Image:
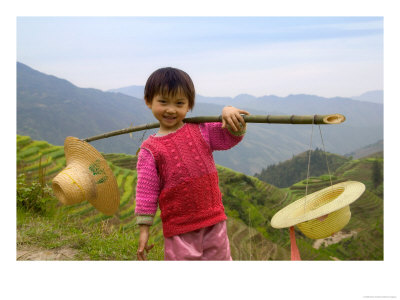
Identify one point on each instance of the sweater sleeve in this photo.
(147, 188)
(221, 138)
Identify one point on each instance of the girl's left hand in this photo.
(231, 116)
(143, 239)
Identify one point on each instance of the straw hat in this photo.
(87, 177)
(322, 213)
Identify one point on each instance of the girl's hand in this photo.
(231, 116)
(143, 239)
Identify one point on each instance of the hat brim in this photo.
(82, 153)
(318, 204)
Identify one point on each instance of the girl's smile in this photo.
(169, 111)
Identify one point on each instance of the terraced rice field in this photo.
(35, 155)
(248, 244)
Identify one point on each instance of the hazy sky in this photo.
(225, 56)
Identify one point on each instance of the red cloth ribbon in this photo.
(294, 251)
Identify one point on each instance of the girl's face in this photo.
(169, 111)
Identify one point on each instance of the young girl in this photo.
(176, 171)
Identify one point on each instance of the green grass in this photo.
(95, 241)
(83, 210)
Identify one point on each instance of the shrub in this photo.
(33, 196)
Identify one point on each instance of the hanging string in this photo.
(141, 140)
(294, 250)
(295, 254)
(309, 160)
(326, 157)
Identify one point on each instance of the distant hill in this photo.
(136, 91)
(358, 114)
(51, 108)
(371, 96)
(291, 171)
(367, 150)
(364, 122)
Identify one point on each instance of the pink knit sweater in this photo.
(150, 183)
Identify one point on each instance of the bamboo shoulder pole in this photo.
(286, 119)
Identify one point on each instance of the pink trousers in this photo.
(209, 243)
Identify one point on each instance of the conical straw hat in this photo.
(87, 177)
(321, 213)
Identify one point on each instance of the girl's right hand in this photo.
(143, 239)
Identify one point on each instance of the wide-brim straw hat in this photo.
(86, 177)
(322, 213)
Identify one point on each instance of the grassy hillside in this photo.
(250, 204)
(368, 150)
(293, 170)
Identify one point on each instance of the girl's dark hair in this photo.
(168, 82)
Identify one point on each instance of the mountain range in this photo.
(137, 91)
(51, 108)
